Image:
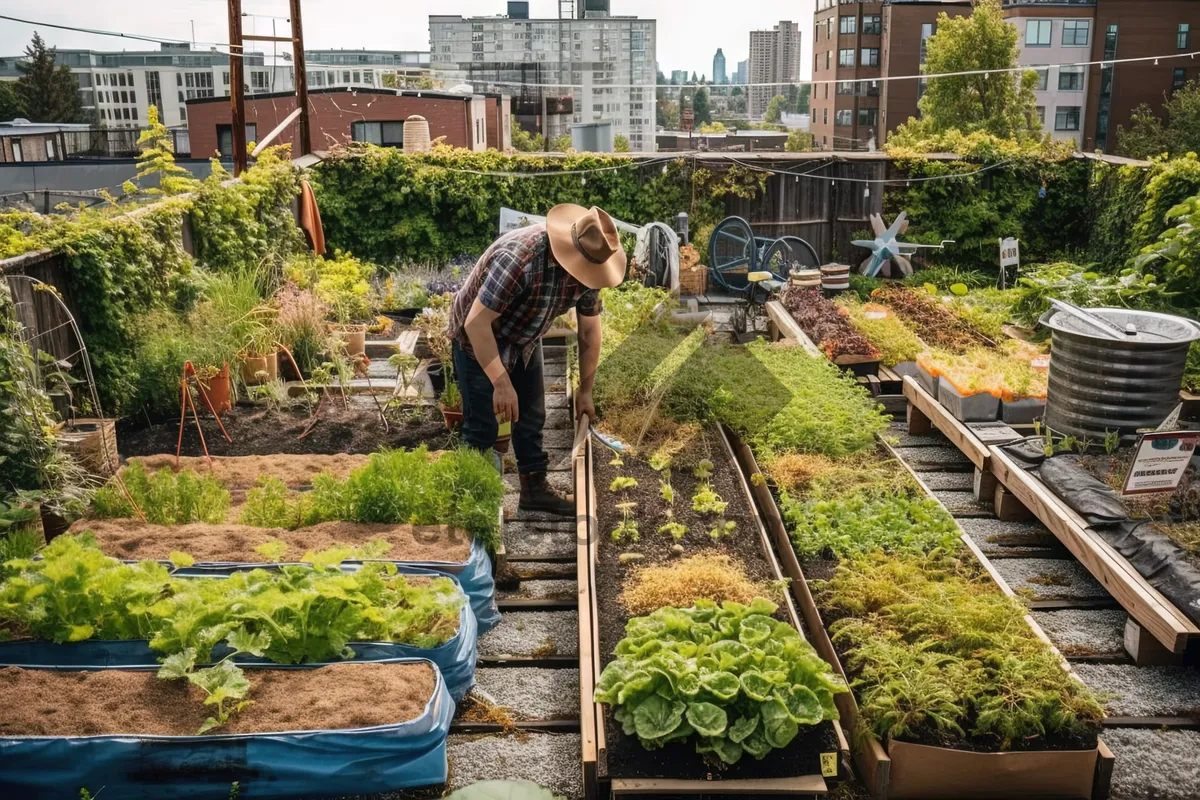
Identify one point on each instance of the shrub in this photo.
(729, 675)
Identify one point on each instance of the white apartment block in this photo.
(605, 64)
(775, 58)
(1062, 91)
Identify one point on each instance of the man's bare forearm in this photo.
(483, 342)
(589, 352)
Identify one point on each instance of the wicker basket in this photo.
(694, 281)
(93, 443)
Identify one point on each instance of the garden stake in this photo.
(365, 363)
(186, 401)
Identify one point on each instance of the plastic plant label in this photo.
(1040, 362)
(829, 765)
(875, 314)
(1159, 461)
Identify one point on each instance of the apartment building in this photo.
(718, 73)
(904, 54)
(775, 59)
(120, 86)
(594, 68)
(335, 69)
(847, 63)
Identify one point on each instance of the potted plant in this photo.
(260, 359)
(217, 386)
(450, 403)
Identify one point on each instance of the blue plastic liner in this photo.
(455, 659)
(319, 763)
(474, 576)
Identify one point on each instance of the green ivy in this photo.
(384, 205)
(1129, 205)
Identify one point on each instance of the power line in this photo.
(925, 179)
(117, 34)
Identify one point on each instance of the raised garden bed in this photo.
(830, 329)
(242, 472)
(937, 767)
(677, 767)
(323, 729)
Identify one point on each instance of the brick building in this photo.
(847, 49)
(337, 116)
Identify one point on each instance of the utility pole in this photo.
(237, 86)
(305, 143)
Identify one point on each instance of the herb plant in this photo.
(826, 324)
(707, 501)
(729, 676)
(864, 519)
(164, 496)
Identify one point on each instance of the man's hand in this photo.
(504, 398)
(585, 405)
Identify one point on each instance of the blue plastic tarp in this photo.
(455, 659)
(475, 577)
(316, 763)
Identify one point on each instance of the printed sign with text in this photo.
(1159, 461)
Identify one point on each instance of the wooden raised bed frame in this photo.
(592, 714)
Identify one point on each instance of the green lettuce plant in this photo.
(863, 519)
(730, 677)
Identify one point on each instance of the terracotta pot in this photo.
(253, 365)
(453, 417)
(218, 391)
(355, 337)
(502, 444)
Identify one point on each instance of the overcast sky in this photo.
(689, 31)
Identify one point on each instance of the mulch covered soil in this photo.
(243, 472)
(136, 541)
(257, 431)
(106, 702)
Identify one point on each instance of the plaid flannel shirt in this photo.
(518, 278)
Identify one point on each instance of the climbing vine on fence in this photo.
(385, 205)
(977, 210)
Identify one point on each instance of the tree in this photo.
(11, 106)
(999, 103)
(527, 142)
(48, 93)
(713, 127)
(1179, 133)
(667, 114)
(158, 158)
(737, 92)
(793, 99)
(775, 108)
(561, 144)
(701, 113)
(798, 141)
(620, 144)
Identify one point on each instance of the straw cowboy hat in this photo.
(585, 243)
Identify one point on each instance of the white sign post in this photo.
(1010, 256)
(1159, 461)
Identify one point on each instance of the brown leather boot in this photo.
(536, 495)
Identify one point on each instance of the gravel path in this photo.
(548, 759)
(532, 693)
(959, 502)
(542, 569)
(562, 482)
(934, 456)
(1084, 631)
(513, 514)
(528, 539)
(1145, 691)
(541, 590)
(1154, 765)
(522, 633)
(1005, 537)
(899, 431)
(948, 481)
(1067, 579)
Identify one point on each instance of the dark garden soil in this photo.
(136, 541)
(257, 431)
(105, 702)
(243, 472)
(626, 757)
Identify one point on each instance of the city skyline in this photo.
(684, 41)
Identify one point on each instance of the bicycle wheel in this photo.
(788, 253)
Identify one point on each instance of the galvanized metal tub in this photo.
(1097, 384)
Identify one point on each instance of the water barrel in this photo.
(416, 134)
(1098, 384)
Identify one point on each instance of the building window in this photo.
(1041, 113)
(872, 25)
(1070, 79)
(825, 117)
(1181, 36)
(225, 137)
(845, 58)
(225, 77)
(828, 53)
(1043, 74)
(867, 117)
(845, 87)
(844, 116)
(1106, 83)
(183, 113)
(51, 155)
(1178, 79)
(870, 57)
(1066, 118)
(134, 111)
(829, 28)
(154, 90)
(847, 24)
(387, 134)
(1037, 32)
(1075, 32)
(928, 29)
(18, 155)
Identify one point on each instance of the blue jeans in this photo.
(479, 426)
